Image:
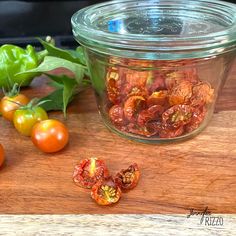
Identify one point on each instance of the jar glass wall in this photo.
(157, 69)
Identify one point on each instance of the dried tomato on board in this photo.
(128, 178)
(202, 94)
(89, 171)
(106, 192)
(132, 106)
(177, 116)
(180, 93)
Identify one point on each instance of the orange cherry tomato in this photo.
(50, 135)
(128, 179)
(8, 105)
(106, 192)
(2, 156)
(90, 171)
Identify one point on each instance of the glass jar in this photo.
(157, 66)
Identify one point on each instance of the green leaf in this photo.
(56, 101)
(50, 63)
(69, 87)
(70, 55)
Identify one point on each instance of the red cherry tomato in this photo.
(2, 156)
(90, 171)
(106, 192)
(127, 179)
(9, 104)
(50, 135)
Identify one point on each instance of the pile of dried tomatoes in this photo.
(105, 190)
(165, 103)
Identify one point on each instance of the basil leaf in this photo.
(70, 55)
(69, 88)
(50, 63)
(55, 102)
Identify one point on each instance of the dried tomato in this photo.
(129, 91)
(154, 127)
(180, 93)
(157, 82)
(137, 78)
(157, 98)
(202, 94)
(89, 171)
(128, 178)
(140, 130)
(132, 106)
(177, 115)
(152, 113)
(175, 77)
(116, 114)
(171, 132)
(197, 119)
(114, 84)
(106, 192)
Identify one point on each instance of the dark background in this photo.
(22, 21)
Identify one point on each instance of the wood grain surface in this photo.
(130, 225)
(176, 177)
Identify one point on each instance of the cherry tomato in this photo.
(106, 192)
(90, 171)
(127, 179)
(116, 114)
(8, 105)
(177, 115)
(180, 93)
(25, 118)
(2, 156)
(132, 106)
(50, 135)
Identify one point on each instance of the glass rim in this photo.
(215, 42)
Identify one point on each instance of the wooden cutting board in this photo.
(197, 173)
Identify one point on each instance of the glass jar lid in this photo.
(157, 29)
